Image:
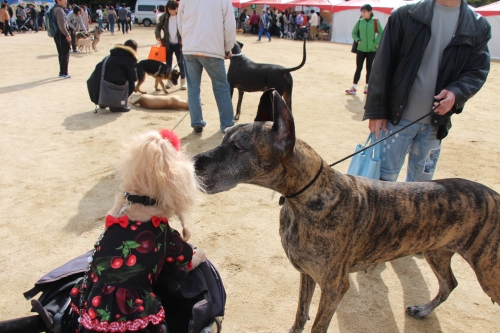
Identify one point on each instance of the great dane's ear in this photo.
(283, 125)
(265, 108)
(240, 44)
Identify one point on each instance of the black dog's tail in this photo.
(303, 60)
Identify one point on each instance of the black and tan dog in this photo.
(246, 75)
(332, 224)
(159, 71)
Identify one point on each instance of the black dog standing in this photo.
(246, 75)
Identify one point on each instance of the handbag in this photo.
(112, 95)
(354, 48)
(158, 52)
(366, 163)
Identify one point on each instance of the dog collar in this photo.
(282, 198)
(143, 200)
(236, 55)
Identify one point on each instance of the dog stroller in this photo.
(194, 301)
(24, 25)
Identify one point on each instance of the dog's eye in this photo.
(236, 147)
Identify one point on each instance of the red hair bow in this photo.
(172, 137)
(122, 221)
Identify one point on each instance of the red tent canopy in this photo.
(240, 3)
(280, 4)
(384, 6)
(489, 10)
(322, 4)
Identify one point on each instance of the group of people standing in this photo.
(279, 24)
(28, 16)
(119, 14)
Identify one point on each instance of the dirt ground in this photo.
(57, 181)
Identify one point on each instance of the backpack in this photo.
(51, 23)
(193, 300)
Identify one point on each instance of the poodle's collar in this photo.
(143, 200)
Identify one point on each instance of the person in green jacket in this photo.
(367, 33)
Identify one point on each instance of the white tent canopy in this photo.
(346, 14)
(492, 14)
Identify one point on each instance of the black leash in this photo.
(399, 130)
(283, 198)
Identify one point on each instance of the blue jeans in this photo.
(35, 24)
(100, 23)
(176, 48)
(261, 31)
(217, 71)
(111, 25)
(419, 142)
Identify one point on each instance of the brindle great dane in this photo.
(342, 224)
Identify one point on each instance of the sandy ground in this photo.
(57, 181)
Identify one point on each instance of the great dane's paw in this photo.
(295, 330)
(157, 89)
(236, 117)
(417, 312)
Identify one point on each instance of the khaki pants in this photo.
(313, 30)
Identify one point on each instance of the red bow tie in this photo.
(122, 221)
(157, 220)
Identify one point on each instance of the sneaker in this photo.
(366, 90)
(269, 39)
(75, 51)
(258, 40)
(183, 84)
(168, 84)
(351, 91)
(198, 129)
(64, 76)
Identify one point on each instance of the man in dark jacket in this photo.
(433, 55)
(121, 67)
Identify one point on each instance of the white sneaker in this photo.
(183, 84)
(168, 84)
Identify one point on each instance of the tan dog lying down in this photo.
(161, 102)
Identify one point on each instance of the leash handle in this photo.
(377, 142)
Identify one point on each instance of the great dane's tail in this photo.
(303, 60)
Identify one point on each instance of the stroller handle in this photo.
(31, 324)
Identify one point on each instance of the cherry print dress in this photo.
(127, 261)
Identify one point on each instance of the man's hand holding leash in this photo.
(446, 101)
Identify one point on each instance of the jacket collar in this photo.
(423, 11)
(126, 48)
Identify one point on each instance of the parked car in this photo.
(144, 11)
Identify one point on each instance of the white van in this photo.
(144, 11)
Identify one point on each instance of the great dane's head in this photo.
(251, 153)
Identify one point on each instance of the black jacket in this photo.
(120, 68)
(463, 71)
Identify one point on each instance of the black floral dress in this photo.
(127, 261)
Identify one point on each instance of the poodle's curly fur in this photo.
(151, 166)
